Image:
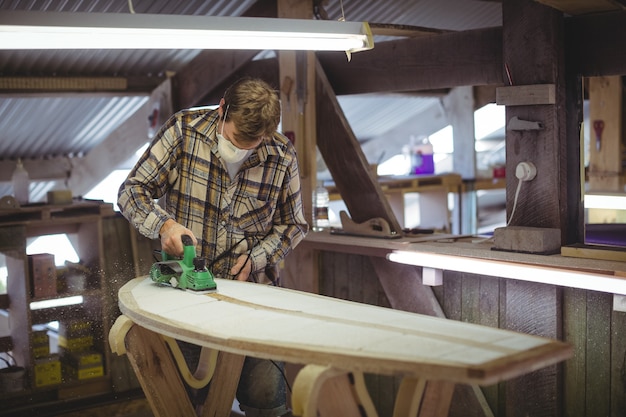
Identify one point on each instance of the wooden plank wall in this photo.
(591, 384)
(335, 268)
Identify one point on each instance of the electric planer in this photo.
(189, 273)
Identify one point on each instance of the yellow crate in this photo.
(73, 373)
(82, 359)
(47, 371)
(76, 344)
(40, 337)
(41, 351)
(75, 328)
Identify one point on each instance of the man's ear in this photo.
(221, 108)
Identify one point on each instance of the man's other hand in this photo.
(242, 268)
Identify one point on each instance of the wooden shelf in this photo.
(41, 213)
(411, 184)
(432, 189)
(477, 248)
(82, 222)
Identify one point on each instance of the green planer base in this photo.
(189, 273)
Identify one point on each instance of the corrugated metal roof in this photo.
(436, 14)
(45, 125)
(374, 115)
(56, 131)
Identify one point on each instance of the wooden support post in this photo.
(297, 93)
(542, 202)
(459, 104)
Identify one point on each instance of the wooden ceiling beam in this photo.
(386, 29)
(594, 44)
(453, 59)
(54, 86)
(266, 69)
(579, 7)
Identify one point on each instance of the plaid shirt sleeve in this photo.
(149, 181)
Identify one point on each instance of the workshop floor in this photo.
(130, 408)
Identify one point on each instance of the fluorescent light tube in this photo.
(523, 272)
(59, 30)
(605, 201)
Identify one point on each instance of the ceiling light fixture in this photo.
(60, 30)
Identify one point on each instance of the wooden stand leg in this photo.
(326, 392)
(409, 397)
(157, 373)
(219, 401)
(420, 398)
(437, 397)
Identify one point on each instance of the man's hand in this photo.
(171, 233)
(243, 266)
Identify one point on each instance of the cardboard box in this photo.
(47, 371)
(43, 275)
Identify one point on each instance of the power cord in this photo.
(247, 258)
(229, 250)
(525, 171)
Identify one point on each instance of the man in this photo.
(231, 181)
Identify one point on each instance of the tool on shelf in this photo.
(189, 273)
(375, 227)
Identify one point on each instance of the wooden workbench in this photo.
(457, 248)
(336, 340)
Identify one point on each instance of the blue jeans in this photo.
(262, 387)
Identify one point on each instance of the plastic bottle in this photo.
(422, 161)
(20, 181)
(320, 208)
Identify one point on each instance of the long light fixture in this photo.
(606, 201)
(60, 30)
(523, 272)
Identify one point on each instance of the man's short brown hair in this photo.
(254, 107)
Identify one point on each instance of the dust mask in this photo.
(229, 152)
